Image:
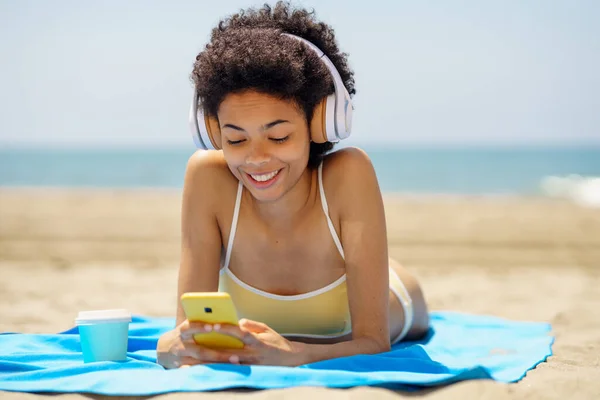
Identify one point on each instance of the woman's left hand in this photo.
(263, 346)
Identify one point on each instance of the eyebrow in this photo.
(264, 127)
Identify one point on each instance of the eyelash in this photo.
(280, 140)
(276, 140)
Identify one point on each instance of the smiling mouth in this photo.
(264, 177)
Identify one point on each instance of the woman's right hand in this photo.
(177, 348)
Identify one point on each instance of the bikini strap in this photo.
(334, 235)
(236, 213)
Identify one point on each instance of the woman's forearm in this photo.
(309, 353)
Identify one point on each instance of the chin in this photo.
(267, 195)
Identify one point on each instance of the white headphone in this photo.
(331, 121)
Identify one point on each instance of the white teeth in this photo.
(265, 177)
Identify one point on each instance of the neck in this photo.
(292, 205)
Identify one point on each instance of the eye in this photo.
(280, 140)
(234, 142)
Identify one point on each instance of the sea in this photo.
(491, 170)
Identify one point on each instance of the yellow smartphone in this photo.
(212, 308)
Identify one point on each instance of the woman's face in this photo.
(265, 142)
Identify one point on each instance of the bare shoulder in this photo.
(208, 178)
(347, 166)
(348, 173)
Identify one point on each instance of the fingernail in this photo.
(216, 327)
(234, 359)
(208, 328)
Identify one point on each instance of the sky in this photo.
(116, 73)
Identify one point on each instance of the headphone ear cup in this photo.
(214, 131)
(330, 119)
(205, 130)
(317, 124)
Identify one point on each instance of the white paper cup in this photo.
(103, 334)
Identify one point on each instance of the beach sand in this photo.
(530, 259)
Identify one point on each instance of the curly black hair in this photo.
(247, 51)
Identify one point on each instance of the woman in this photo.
(294, 233)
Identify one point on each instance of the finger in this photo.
(241, 357)
(188, 334)
(253, 326)
(204, 354)
(235, 331)
(198, 325)
(184, 362)
(184, 325)
(187, 325)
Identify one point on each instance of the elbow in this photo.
(384, 346)
(377, 345)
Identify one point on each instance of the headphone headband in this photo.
(332, 119)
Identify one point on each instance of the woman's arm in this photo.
(309, 353)
(364, 239)
(200, 235)
(200, 256)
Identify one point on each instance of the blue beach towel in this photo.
(458, 347)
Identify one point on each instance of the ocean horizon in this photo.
(471, 170)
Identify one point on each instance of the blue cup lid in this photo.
(102, 316)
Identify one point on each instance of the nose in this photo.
(257, 155)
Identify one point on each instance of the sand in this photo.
(531, 259)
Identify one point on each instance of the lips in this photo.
(263, 180)
(264, 177)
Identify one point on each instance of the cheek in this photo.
(297, 152)
(234, 159)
